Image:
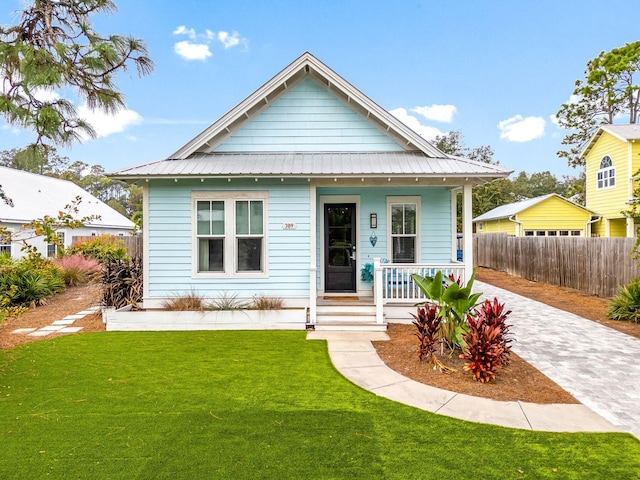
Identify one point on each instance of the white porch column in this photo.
(377, 290)
(313, 256)
(631, 231)
(454, 224)
(467, 231)
(145, 243)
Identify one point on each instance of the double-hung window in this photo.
(5, 242)
(53, 248)
(230, 233)
(606, 176)
(403, 228)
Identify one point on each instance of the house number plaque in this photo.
(289, 226)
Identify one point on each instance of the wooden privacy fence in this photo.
(133, 243)
(596, 266)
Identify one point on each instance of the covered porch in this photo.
(367, 244)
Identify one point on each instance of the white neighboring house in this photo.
(35, 196)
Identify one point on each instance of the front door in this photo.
(340, 247)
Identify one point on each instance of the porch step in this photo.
(350, 326)
(340, 316)
(347, 311)
(347, 315)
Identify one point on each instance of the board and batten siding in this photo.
(171, 241)
(435, 223)
(308, 118)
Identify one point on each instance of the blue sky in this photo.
(496, 70)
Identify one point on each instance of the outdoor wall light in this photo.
(373, 220)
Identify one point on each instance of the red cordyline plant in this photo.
(427, 323)
(487, 342)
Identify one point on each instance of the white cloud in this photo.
(192, 51)
(425, 131)
(189, 50)
(438, 113)
(229, 40)
(105, 124)
(182, 30)
(45, 94)
(520, 129)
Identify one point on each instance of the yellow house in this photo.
(549, 215)
(612, 157)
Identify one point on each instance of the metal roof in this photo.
(315, 164)
(510, 209)
(35, 196)
(627, 132)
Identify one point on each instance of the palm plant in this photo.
(454, 303)
(626, 304)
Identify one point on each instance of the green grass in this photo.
(249, 405)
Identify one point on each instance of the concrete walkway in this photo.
(355, 357)
(599, 366)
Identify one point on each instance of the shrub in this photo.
(78, 270)
(261, 302)
(187, 302)
(122, 283)
(33, 279)
(626, 304)
(7, 308)
(102, 248)
(487, 341)
(427, 324)
(228, 302)
(454, 304)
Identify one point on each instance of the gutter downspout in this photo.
(586, 226)
(520, 232)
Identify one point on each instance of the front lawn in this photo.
(249, 405)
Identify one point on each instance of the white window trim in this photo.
(611, 173)
(231, 263)
(57, 247)
(9, 244)
(415, 199)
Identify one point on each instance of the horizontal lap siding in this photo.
(553, 214)
(501, 225)
(171, 231)
(436, 229)
(308, 118)
(435, 223)
(608, 201)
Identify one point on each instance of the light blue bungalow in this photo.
(311, 192)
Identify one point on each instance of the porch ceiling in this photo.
(318, 165)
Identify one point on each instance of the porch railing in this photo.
(393, 282)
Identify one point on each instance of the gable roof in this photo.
(626, 133)
(420, 158)
(511, 209)
(303, 67)
(35, 196)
